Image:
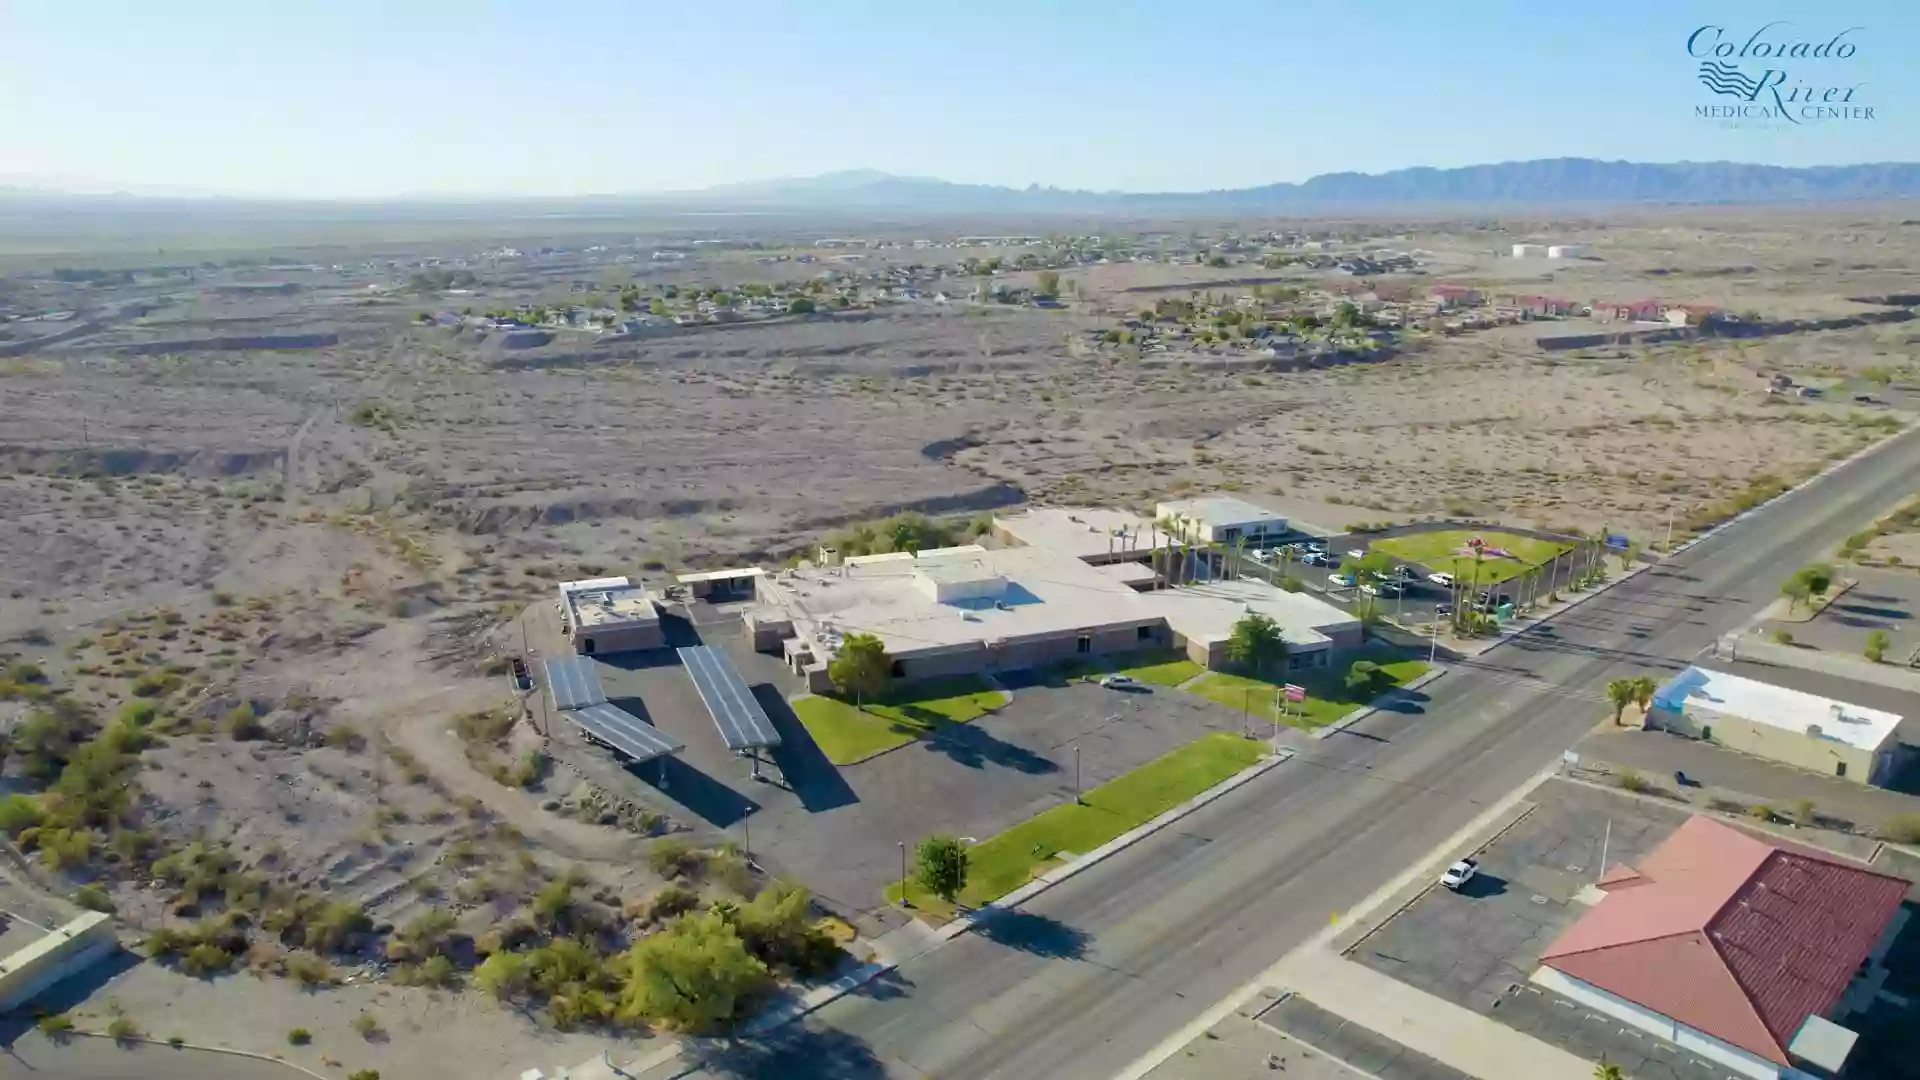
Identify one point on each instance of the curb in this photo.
(1371, 707)
(228, 1050)
(853, 980)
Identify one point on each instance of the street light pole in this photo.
(1076, 773)
(904, 901)
(1433, 650)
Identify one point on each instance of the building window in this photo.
(1839, 768)
(899, 669)
(1083, 644)
(586, 645)
(1145, 633)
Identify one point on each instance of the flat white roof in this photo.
(1129, 572)
(734, 574)
(1777, 706)
(593, 584)
(1082, 532)
(1206, 612)
(611, 607)
(1044, 594)
(905, 556)
(1217, 510)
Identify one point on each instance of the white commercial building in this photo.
(610, 614)
(1221, 519)
(1566, 251)
(1806, 730)
(1529, 251)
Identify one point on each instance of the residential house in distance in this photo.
(1222, 519)
(607, 615)
(1745, 951)
(1807, 731)
(1454, 296)
(1629, 310)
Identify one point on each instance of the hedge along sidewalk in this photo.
(848, 735)
(1005, 862)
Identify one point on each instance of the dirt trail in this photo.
(429, 739)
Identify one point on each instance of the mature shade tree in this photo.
(943, 866)
(862, 667)
(1795, 590)
(1256, 643)
(693, 976)
(1643, 690)
(801, 305)
(1048, 284)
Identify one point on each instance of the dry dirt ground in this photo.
(333, 541)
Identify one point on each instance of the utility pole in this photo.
(1433, 650)
(904, 901)
(1076, 773)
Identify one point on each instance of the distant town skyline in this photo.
(364, 100)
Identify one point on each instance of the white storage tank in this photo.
(1529, 251)
(1565, 251)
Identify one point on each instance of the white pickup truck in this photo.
(1459, 874)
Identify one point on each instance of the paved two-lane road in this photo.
(1097, 971)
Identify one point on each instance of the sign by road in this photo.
(1295, 693)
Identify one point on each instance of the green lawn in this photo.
(1439, 551)
(1328, 698)
(1000, 864)
(846, 734)
(1166, 669)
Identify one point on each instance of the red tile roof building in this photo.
(1739, 938)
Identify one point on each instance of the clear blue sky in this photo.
(382, 97)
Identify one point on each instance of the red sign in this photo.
(1295, 693)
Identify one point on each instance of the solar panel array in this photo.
(572, 682)
(625, 732)
(743, 723)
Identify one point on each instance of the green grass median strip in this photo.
(1439, 550)
(1328, 697)
(846, 734)
(1167, 671)
(1000, 864)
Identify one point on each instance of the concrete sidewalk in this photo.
(1426, 1024)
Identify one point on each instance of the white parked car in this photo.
(1117, 682)
(1459, 874)
(1445, 581)
(1262, 555)
(1356, 553)
(1343, 581)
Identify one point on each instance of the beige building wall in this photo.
(621, 639)
(1824, 756)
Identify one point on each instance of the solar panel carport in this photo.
(743, 723)
(624, 732)
(572, 682)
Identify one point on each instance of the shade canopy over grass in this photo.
(1000, 864)
(1328, 697)
(847, 734)
(1442, 550)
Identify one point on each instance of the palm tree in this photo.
(1643, 689)
(1619, 695)
(1607, 1070)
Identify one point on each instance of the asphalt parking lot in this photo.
(838, 829)
(1882, 600)
(1476, 947)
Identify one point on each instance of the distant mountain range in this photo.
(1548, 182)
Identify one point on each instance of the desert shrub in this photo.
(122, 1029)
(24, 673)
(364, 1074)
(1631, 780)
(366, 1025)
(242, 724)
(309, 970)
(1877, 642)
(344, 737)
(299, 1037)
(155, 684)
(18, 813)
(530, 769)
(1760, 812)
(1902, 829)
(93, 898)
(672, 857)
(671, 900)
(138, 713)
(1783, 636)
(54, 1024)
